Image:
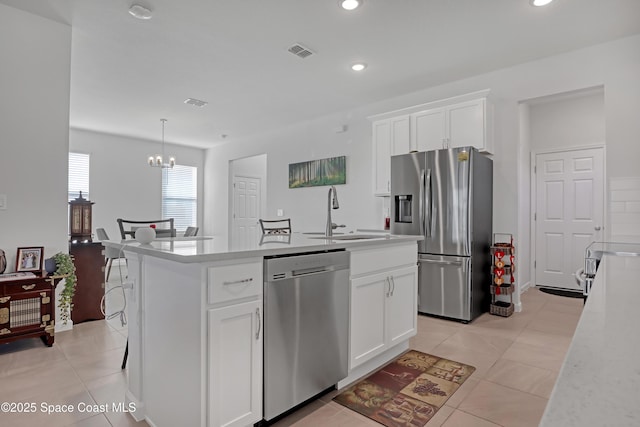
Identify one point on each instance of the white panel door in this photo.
(235, 365)
(569, 213)
(428, 129)
(246, 211)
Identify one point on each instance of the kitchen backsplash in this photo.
(624, 209)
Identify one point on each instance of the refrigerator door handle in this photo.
(429, 202)
(435, 261)
(421, 202)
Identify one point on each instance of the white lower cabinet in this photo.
(383, 312)
(235, 364)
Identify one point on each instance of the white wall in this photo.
(615, 66)
(566, 121)
(34, 132)
(305, 206)
(121, 183)
(624, 209)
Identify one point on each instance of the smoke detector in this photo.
(300, 51)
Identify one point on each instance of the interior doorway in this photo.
(247, 204)
(568, 212)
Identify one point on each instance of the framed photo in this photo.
(29, 259)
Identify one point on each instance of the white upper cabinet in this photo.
(429, 129)
(459, 125)
(390, 137)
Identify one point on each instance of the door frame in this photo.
(232, 205)
(533, 197)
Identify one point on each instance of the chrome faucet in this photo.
(331, 203)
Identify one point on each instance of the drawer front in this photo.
(230, 282)
(369, 261)
(36, 284)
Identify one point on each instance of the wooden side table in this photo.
(27, 308)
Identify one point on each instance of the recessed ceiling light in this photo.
(359, 66)
(350, 4)
(540, 2)
(139, 12)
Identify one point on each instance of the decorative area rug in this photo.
(562, 292)
(408, 391)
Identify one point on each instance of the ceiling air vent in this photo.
(300, 51)
(195, 102)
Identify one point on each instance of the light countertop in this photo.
(599, 383)
(206, 249)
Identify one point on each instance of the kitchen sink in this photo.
(352, 237)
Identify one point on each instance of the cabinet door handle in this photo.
(388, 291)
(28, 287)
(235, 282)
(259, 323)
(394, 286)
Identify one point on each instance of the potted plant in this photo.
(66, 268)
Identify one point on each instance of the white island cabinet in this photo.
(196, 321)
(384, 305)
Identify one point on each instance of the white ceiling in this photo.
(126, 74)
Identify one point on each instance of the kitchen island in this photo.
(599, 382)
(195, 310)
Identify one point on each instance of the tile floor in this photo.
(517, 360)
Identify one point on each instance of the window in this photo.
(78, 175)
(180, 196)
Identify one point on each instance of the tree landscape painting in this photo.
(330, 171)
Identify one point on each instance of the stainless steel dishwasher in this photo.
(306, 316)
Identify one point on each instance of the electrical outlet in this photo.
(280, 212)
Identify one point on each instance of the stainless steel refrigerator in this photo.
(447, 197)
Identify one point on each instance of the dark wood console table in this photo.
(89, 262)
(27, 308)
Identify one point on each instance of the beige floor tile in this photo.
(462, 419)
(440, 417)
(84, 330)
(97, 343)
(108, 389)
(427, 343)
(96, 421)
(544, 339)
(97, 365)
(461, 393)
(529, 379)
(27, 355)
(430, 324)
(504, 406)
(43, 380)
(566, 305)
(474, 341)
(316, 412)
(349, 418)
(481, 361)
(542, 357)
(119, 419)
(554, 322)
(69, 396)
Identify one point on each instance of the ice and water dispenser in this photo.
(403, 208)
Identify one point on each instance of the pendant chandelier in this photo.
(158, 160)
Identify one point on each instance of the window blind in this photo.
(180, 196)
(78, 175)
